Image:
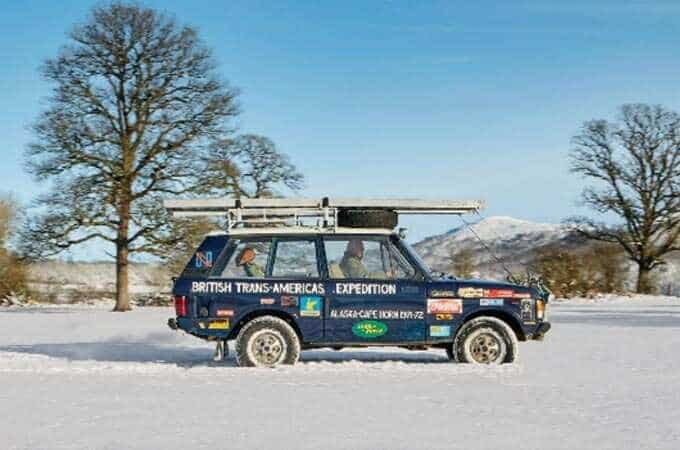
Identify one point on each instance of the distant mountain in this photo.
(513, 241)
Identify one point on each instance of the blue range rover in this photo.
(279, 290)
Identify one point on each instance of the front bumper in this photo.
(541, 331)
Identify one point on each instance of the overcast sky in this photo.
(402, 99)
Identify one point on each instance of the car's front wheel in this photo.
(484, 340)
(267, 341)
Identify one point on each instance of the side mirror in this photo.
(402, 233)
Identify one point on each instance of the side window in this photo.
(247, 260)
(366, 258)
(295, 259)
(358, 258)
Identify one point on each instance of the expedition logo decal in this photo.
(204, 260)
(369, 329)
(218, 325)
(365, 289)
(440, 330)
(289, 300)
(499, 293)
(441, 293)
(491, 302)
(444, 306)
(473, 292)
(310, 306)
(256, 287)
(470, 292)
(381, 314)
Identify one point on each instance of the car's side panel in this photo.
(370, 311)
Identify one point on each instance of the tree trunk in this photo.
(122, 253)
(644, 282)
(122, 296)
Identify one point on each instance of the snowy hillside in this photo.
(512, 241)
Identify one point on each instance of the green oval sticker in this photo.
(369, 329)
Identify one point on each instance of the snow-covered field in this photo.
(606, 377)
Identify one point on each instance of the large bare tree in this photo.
(634, 164)
(135, 106)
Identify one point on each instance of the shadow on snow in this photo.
(138, 352)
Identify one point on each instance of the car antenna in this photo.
(511, 276)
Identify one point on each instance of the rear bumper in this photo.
(541, 331)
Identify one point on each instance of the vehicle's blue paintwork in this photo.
(408, 299)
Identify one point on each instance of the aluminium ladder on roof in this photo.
(280, 210)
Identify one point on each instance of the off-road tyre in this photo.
(367, 218)
(471, 342)
(259, 339)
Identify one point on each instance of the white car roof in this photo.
(301, 230)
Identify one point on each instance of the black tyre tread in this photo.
(367, 218)
(456, 351)
(264, 322)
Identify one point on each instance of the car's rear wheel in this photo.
(484, 340)
(267, 341)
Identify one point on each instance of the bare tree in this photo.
(634, 164)
(248, 166)
(12, 269)
(462, 263)
(135, 105)
(251, 166)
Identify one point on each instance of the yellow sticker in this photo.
(218, 325)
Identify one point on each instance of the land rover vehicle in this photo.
(278, 284)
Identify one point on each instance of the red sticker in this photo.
(499, 293)
(444, 306)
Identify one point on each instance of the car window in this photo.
(247, 260)
(295, 259)
(358, 258)
(366, 258)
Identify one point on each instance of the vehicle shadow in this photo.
(188, 357)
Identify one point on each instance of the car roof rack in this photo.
(257, 212)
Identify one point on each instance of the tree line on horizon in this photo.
(138, 113)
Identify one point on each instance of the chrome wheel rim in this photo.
(485, 348)
(267, 348)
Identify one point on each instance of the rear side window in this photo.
(245, 259)
(295, 259)
(204, 259)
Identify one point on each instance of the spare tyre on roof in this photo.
(367, 218)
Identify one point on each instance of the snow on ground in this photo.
(607, 377)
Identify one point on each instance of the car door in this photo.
(370, 297)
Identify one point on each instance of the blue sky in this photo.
(417, 99)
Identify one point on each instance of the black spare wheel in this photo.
(367, 218)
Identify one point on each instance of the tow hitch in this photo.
(172, 323)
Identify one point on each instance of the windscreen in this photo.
(414, 255)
